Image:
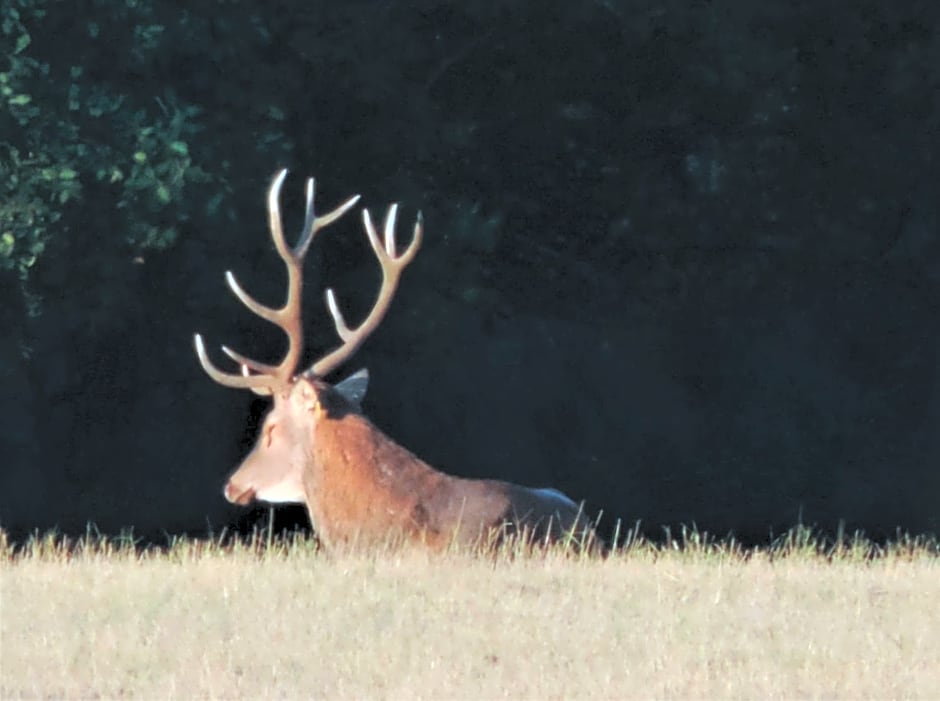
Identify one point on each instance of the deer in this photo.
(316, 447)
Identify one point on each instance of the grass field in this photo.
(688, 620)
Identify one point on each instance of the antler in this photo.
(392, 266)
(270, 378)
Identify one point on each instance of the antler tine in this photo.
(263, 391)
(246, 363)
(228, 379)
(342, 330)
(312, 223)
(274, 215)
(254, 306)
(392, 266)
(288, 317)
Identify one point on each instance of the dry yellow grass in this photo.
(207, 622)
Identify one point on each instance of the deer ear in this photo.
(353, 388)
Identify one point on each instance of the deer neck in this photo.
(361, 482)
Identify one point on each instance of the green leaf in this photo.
(163, 194)
(180, 148)
(20, 100)
(140, 157)
(67, 174)
(6, 244)
(22, 43)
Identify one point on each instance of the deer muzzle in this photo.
(236, 494)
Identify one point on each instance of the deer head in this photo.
(316, 447)
(273, 470)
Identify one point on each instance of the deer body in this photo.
(361, 487)
(316, 447)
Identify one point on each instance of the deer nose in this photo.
(238, 495)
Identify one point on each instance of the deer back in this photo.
(361, 486)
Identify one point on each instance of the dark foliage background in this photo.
(681, 260)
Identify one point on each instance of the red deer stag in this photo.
(317, 448)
